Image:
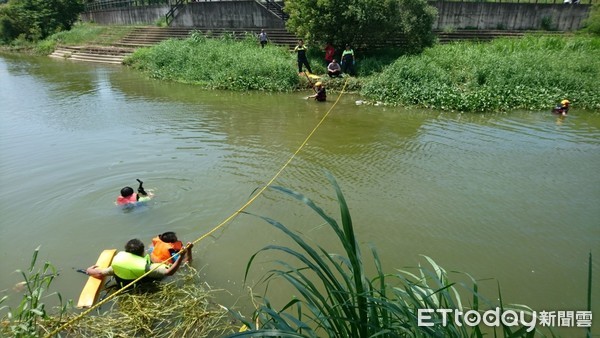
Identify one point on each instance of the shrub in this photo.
(223, 63)
(533, 73)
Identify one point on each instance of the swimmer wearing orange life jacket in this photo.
(129, 197)
(166, 248)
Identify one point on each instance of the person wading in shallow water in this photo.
(320, 93)
(562, 109)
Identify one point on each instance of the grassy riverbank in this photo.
(527, 73)
(532, 73)
(223, 63)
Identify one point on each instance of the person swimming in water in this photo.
(127, 195)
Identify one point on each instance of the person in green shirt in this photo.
(348, 60)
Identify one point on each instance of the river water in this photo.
(511, 198)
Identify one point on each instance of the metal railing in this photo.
(276, 8)
(172, 13)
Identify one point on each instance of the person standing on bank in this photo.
(329, 53)
(262, 37)
(302, 59)
(348, 60)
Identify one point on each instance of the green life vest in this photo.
(128, 266)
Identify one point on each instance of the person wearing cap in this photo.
(348, 60)
(300, 49)
(562, 108)
(320, 93)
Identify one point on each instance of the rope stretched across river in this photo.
(220, 225)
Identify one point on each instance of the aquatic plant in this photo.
(29, 318)
(337, 299)
(531, 73)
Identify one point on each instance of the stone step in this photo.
(98, 54)
(95, 59)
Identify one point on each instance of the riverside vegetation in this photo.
(336, 298)
(529, 73)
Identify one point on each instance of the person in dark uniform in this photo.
(320, 93)
(302, 59)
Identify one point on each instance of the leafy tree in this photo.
(37, 19)
(592, 24)
(364, 23)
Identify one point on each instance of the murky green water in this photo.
(511, 196)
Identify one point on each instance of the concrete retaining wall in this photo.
(229, 14)
(511, 16)
(148, 15)
(219, 14)
(452, 15)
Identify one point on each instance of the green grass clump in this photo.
(336, 298)
(533, 73)
(90, 34)
(223, 63)
(31, 316)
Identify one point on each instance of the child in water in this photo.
(129, 197)
(166, 247)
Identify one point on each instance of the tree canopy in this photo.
(37, 19)
(363, 23)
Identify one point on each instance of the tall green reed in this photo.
(25, 320)
(337, 298)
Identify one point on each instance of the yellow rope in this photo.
(223, 223)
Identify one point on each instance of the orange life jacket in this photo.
(161, 250)
(126, 200)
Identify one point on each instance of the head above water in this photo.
(127, 191)
(565, 102)
(168, 237)
(318, 84)
(135, 246)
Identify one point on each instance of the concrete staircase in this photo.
(482, 35)
(149, 36)
(99, 54)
